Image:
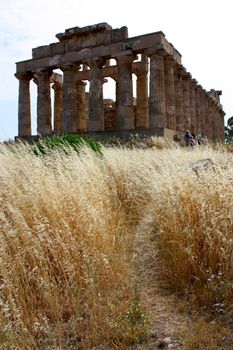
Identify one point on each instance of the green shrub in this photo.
(64, 143)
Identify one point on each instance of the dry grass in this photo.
(67, 240)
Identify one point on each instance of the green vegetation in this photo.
(65, 143)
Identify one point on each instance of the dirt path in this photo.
(167, 323)
(171, 328)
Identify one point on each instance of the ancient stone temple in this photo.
(168, 99)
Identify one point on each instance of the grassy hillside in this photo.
(67, 250)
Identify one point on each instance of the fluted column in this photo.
(124, 91)
(215, 123)
(44, 112)
(198, 109)
(186, 99)
(203, 114)
(157, 104)
(179, 101)
(69, 105)
(81, 119)
(206, 114)
(170, 92)
(96, 106)
(142, 108)
(24, 107)
(222, 128)
(210, 118)
(192, 96)
(57, 108)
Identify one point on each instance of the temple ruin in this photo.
(168, 100)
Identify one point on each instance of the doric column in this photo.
(24, 107)
(198, 109)
(179, 100)
(157, 106)
(96, 106)
(206, 114)
(69, 104)
(124, 92)
(170, 92)
(222, 128)
(186, 101)
(81, 119)
(44, 114)
(57, 87)
(215, 123)
(203, 113)
(192, 97)
(142, 108)
(210, 118)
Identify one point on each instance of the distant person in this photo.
(193, 140)
(199, 139)
(187, 138)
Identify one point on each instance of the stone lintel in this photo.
(154, 41)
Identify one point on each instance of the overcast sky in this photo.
(201, 30)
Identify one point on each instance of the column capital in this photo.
(156, 53)
(24, 76)
(57, 86)
(70, 67)
(170, 60)
(125, 59)
(97, 63)
(42, 73)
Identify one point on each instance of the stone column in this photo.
(192, 96)
(198, 109)
(81, 119)
(96, 106)
(44, 113)
(124, 92)
(215, 123)
(206, 119)
(24, 107)
(203, 112)
(57, 108)
(157, 104)
(222, 125)
(69, 106)
(179, 101)
(142, 108)
(186, 101)
(170, 92)
(210, 118)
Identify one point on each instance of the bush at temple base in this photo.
(64, 143)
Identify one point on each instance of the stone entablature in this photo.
(174, 101)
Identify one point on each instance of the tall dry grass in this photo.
(67, 279)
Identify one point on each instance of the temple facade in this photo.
(168, 99)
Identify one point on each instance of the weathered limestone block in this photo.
(96, 107)
(192, 96)
(170, 92)
(124, 92)
(179, 101)
(186, 101)
(24, 107)
(57, 108)
(157, 99)
(44, 114)
(69, 112)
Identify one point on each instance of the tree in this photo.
(229, 131)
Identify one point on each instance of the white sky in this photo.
(201, 30)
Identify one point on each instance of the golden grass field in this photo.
(67, 240)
